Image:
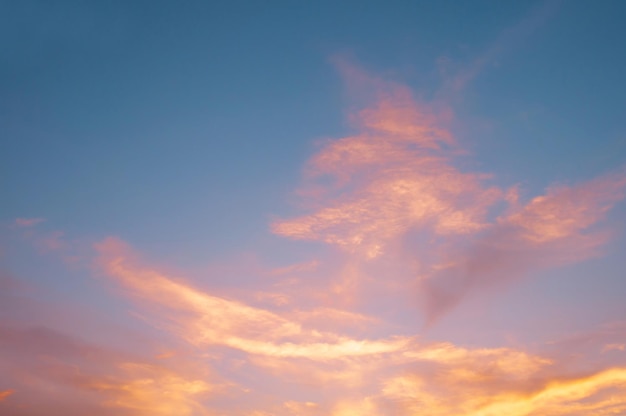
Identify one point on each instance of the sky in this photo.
(256, 208)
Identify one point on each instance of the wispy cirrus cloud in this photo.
(28, 222)
(204, 319)
(507, 40)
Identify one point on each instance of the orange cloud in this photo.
(150, 390)
(601, 393)
(394, 376)
(5, 393)
(292, 362)
(58, 374)
(364, 407)
(446, 380)
(203, 319)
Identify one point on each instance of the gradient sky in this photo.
(312, 208)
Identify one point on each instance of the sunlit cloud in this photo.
(5, 393)
(557, 228)
(304, 351)
(564, 212)
(394, 175)
(397, 179)
(150, 390)
(601, 393)
(204, 319)
(614, 347)
(400, 375)
(55, 371)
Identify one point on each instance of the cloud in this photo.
(394, 376)
(601, 393)
(28, 222)
(5, 393)
(151, 390)
(614, 347)
(394, 175)
(564, 212)
(506, 41)
(394, 189)
(442, 379)
(52, 241)
(204, 319)
(56, 373)
(553, 229)
(245, 360)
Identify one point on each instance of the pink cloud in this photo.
(52, 241)
(395, 181)
(557, 228)
(395, 175)
(28, 222)
(614, 347)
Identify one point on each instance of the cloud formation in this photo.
(556, 228)
(394, 175)
(399, 375)
(243, 360)
(203, 319)
(317, 336)
(396, 180)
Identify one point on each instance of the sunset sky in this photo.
(342, 208)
